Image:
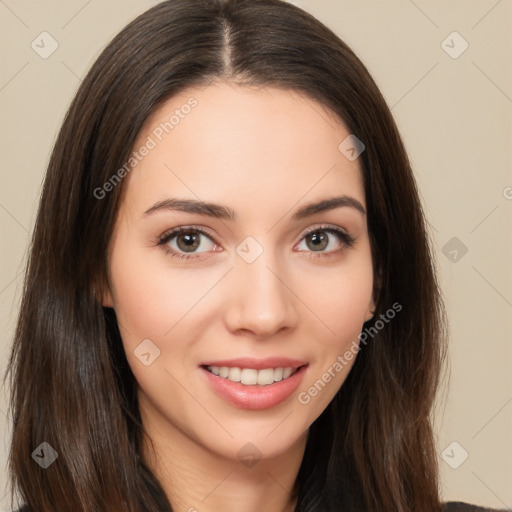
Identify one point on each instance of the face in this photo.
(256, 285)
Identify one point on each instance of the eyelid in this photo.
(209, 232)
(323, 227)
(195, 228)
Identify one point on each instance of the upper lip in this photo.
(257, 364)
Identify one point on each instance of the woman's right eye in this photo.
(184, 242)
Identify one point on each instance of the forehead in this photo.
(242, 146)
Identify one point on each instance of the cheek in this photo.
(154, 300)
(145, 303)
(340, 297)
(340, 300)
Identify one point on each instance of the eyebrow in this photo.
(223, 212)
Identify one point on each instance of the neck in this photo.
(196, 479)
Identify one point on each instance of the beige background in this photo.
(455, 117)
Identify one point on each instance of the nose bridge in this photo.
(261, 301)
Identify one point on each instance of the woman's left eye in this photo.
(318, 239)
(183, 242)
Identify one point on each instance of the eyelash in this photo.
(347, 240)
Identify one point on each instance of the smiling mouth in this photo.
(251, 376)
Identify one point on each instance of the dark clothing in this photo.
(457, 506)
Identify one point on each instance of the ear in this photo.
(106, 299)
(377, 285)
(104, 296)
(370, 312)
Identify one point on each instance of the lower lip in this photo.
(255, 397)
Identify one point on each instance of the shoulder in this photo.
(458, 506)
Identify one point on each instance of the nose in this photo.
(261, 299)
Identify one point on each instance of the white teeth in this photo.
(235, 374)
(250, 376)
(266, 377)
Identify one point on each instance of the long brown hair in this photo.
(373, 447)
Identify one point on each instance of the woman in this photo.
(231, 300)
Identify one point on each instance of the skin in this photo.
(264, 153)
